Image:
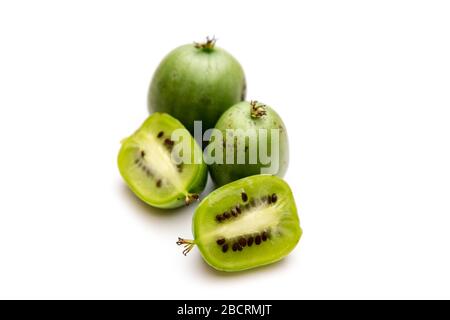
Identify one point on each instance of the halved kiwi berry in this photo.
(245, 224)
(146, 164)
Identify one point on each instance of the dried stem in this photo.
(191, 197)
(208, 45)
(187, 244)
(257, 109)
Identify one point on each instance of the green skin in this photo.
(240, 116)
(177, 188)
(281, 217)
(197, 82)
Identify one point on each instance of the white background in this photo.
(363, 87)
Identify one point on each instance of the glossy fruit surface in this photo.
(235, 126)
(197, 82)
(246, 224)
(146, 164)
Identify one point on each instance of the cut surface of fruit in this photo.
(145, 162)
(247, 223)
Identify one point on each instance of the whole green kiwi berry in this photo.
(197, 81)
(235, 127)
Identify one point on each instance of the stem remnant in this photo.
(188, 245)
(257, 109)
(191, 197)
(208, 45)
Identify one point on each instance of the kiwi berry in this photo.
(242, 118)
(147, 166)
(197, 81)
(245, 224)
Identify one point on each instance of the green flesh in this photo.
(145, 164)
(196, 84)
(239, 117)
(279, 220)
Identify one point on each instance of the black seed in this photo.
(269, 199)
(264, 199)
(252, 202)
(233, 212)
(235, 246)
(238, 209)
(160, 134)
(274, 198)
(258, 240)
(225, 248)
(264, 236)
(250, 241)
(244, 197)
(220, 241)
(239, 248)
(242, 241)
(219, 218)
(142, 153)
(226, 215)
(169, 142)
(158, 183)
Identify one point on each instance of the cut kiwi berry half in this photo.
(245, 224)
(146, 164)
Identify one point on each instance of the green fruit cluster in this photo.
(251, 219)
